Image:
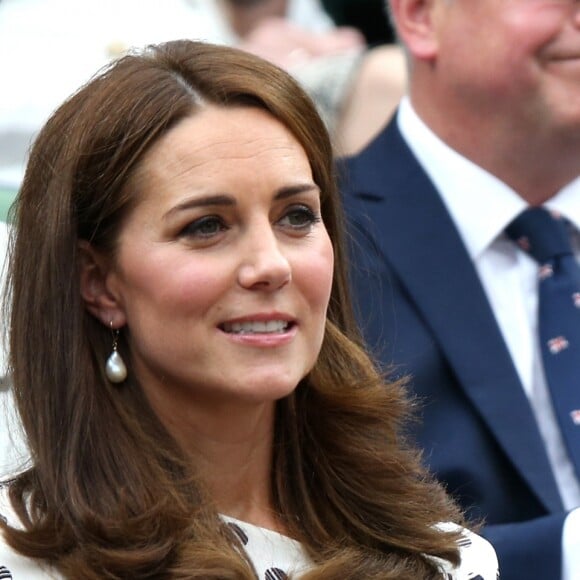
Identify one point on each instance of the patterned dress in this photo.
(275, 557)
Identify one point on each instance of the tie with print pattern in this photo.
(545, 236)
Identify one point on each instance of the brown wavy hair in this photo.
(109, 493)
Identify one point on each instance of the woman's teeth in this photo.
(271, 326)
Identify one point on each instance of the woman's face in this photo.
(224, 268)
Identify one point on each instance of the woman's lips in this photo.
(265, 330)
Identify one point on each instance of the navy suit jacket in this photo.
(424, 313)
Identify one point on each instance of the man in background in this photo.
(490, 127)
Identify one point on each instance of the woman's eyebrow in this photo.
(227, 200)
(203, 201)
(291, 190)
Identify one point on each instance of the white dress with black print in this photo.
(275, 557)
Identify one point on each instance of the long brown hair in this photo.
(109, 494)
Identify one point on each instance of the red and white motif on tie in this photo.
(545, 271)
(557, 344)
(575, 416)
(524, 243)
(576, 298)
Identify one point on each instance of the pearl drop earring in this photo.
(115, 368)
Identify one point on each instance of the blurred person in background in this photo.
(49, 47)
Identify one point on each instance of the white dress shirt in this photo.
(481, 206)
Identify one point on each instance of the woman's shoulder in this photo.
(15, 566)
(478, 557)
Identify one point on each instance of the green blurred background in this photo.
(7, 196)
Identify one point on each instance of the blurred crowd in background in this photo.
(339, 49)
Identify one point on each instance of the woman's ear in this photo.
(96, 287)
(416, 26)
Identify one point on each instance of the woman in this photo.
(183, 352)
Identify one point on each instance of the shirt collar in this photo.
(479, 203)
(567, 202)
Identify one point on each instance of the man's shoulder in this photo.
(379, 167)
(380, 144)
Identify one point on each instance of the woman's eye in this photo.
(299, 218)
(205, 227)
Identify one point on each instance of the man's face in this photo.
(518, 60)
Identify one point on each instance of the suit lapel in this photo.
(433, 264)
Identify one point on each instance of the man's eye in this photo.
(204, 227)
(300, 217)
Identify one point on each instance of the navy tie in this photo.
(546, 237)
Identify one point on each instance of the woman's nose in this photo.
(264, 265)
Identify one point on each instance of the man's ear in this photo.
(415, 22)
(97, 289)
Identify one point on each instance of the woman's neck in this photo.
(238, 472)
(232, 450)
